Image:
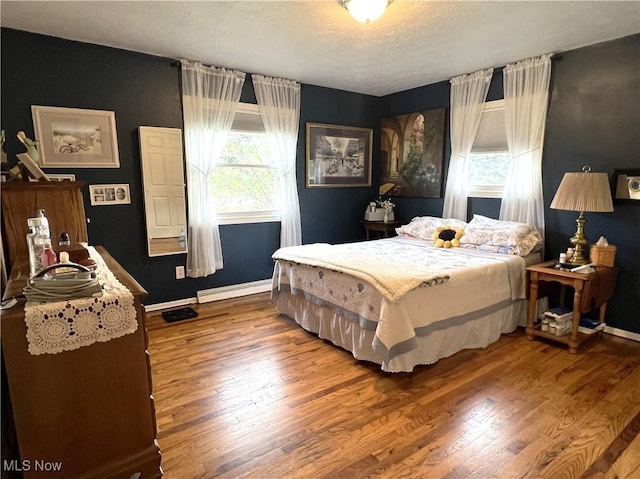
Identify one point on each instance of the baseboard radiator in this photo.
(233, 291)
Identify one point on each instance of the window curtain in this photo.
(279, 104)
(210, 97)
(526, 96)
(468, 94)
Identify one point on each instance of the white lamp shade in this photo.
(583, 192)
(366, 11)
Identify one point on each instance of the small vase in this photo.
(386, 217)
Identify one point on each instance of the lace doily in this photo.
(67, 325)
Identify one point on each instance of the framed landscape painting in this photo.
(75, 138)
(413, 154)
(338, 156)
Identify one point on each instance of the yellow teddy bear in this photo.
(447, 237)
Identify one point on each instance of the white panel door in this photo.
(163, 181)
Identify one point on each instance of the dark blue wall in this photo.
(145, 90)
(333, 215)
(431, 97)
(593, 118)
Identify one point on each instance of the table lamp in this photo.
(582, 192)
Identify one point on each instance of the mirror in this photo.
(626, 186)
(164, 190)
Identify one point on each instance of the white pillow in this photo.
(517, 238)
(423, 227)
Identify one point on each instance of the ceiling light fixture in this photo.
(366, 11)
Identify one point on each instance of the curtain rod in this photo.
(554, 57)
(177, 63)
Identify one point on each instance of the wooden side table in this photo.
(380, 226)
(591, 291)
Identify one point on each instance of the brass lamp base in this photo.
(579, 242)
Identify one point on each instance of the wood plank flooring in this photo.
(242, 392)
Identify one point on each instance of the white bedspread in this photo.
(393, 268)
(400, 288)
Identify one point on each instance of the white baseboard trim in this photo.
(622, 333)
(169, 304)
(234, 291)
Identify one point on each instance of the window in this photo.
(245, 180)
(489, 159)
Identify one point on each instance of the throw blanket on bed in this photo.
(392, 268)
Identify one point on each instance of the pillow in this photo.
(514, 238)
(523, 250)
(490, 248)
(423, 227)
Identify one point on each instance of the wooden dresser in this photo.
(63, 205)
(90, 411)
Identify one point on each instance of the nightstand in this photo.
(591, 291)
(380, 226)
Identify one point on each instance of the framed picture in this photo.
(75, 138)
(109, 194)
(338, 156)
(625, 186)
(413, 154)
(62, 177)
(32, 167)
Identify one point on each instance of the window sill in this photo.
(485, 191)
(246, 218)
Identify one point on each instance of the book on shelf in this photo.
(559, 313)
(590, 326)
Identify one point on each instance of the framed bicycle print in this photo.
(338, 156)
(75, 138)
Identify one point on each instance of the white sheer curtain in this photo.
(468, 94)
(209, 99)
(526, 95)
(279, 104)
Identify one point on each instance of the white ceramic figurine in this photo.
(31, 146)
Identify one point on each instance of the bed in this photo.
(401, 302)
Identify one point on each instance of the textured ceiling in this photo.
(317, 42)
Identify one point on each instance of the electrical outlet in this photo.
(179, 272)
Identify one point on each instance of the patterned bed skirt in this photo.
(328, 323)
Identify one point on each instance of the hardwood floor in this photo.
(244, 393)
